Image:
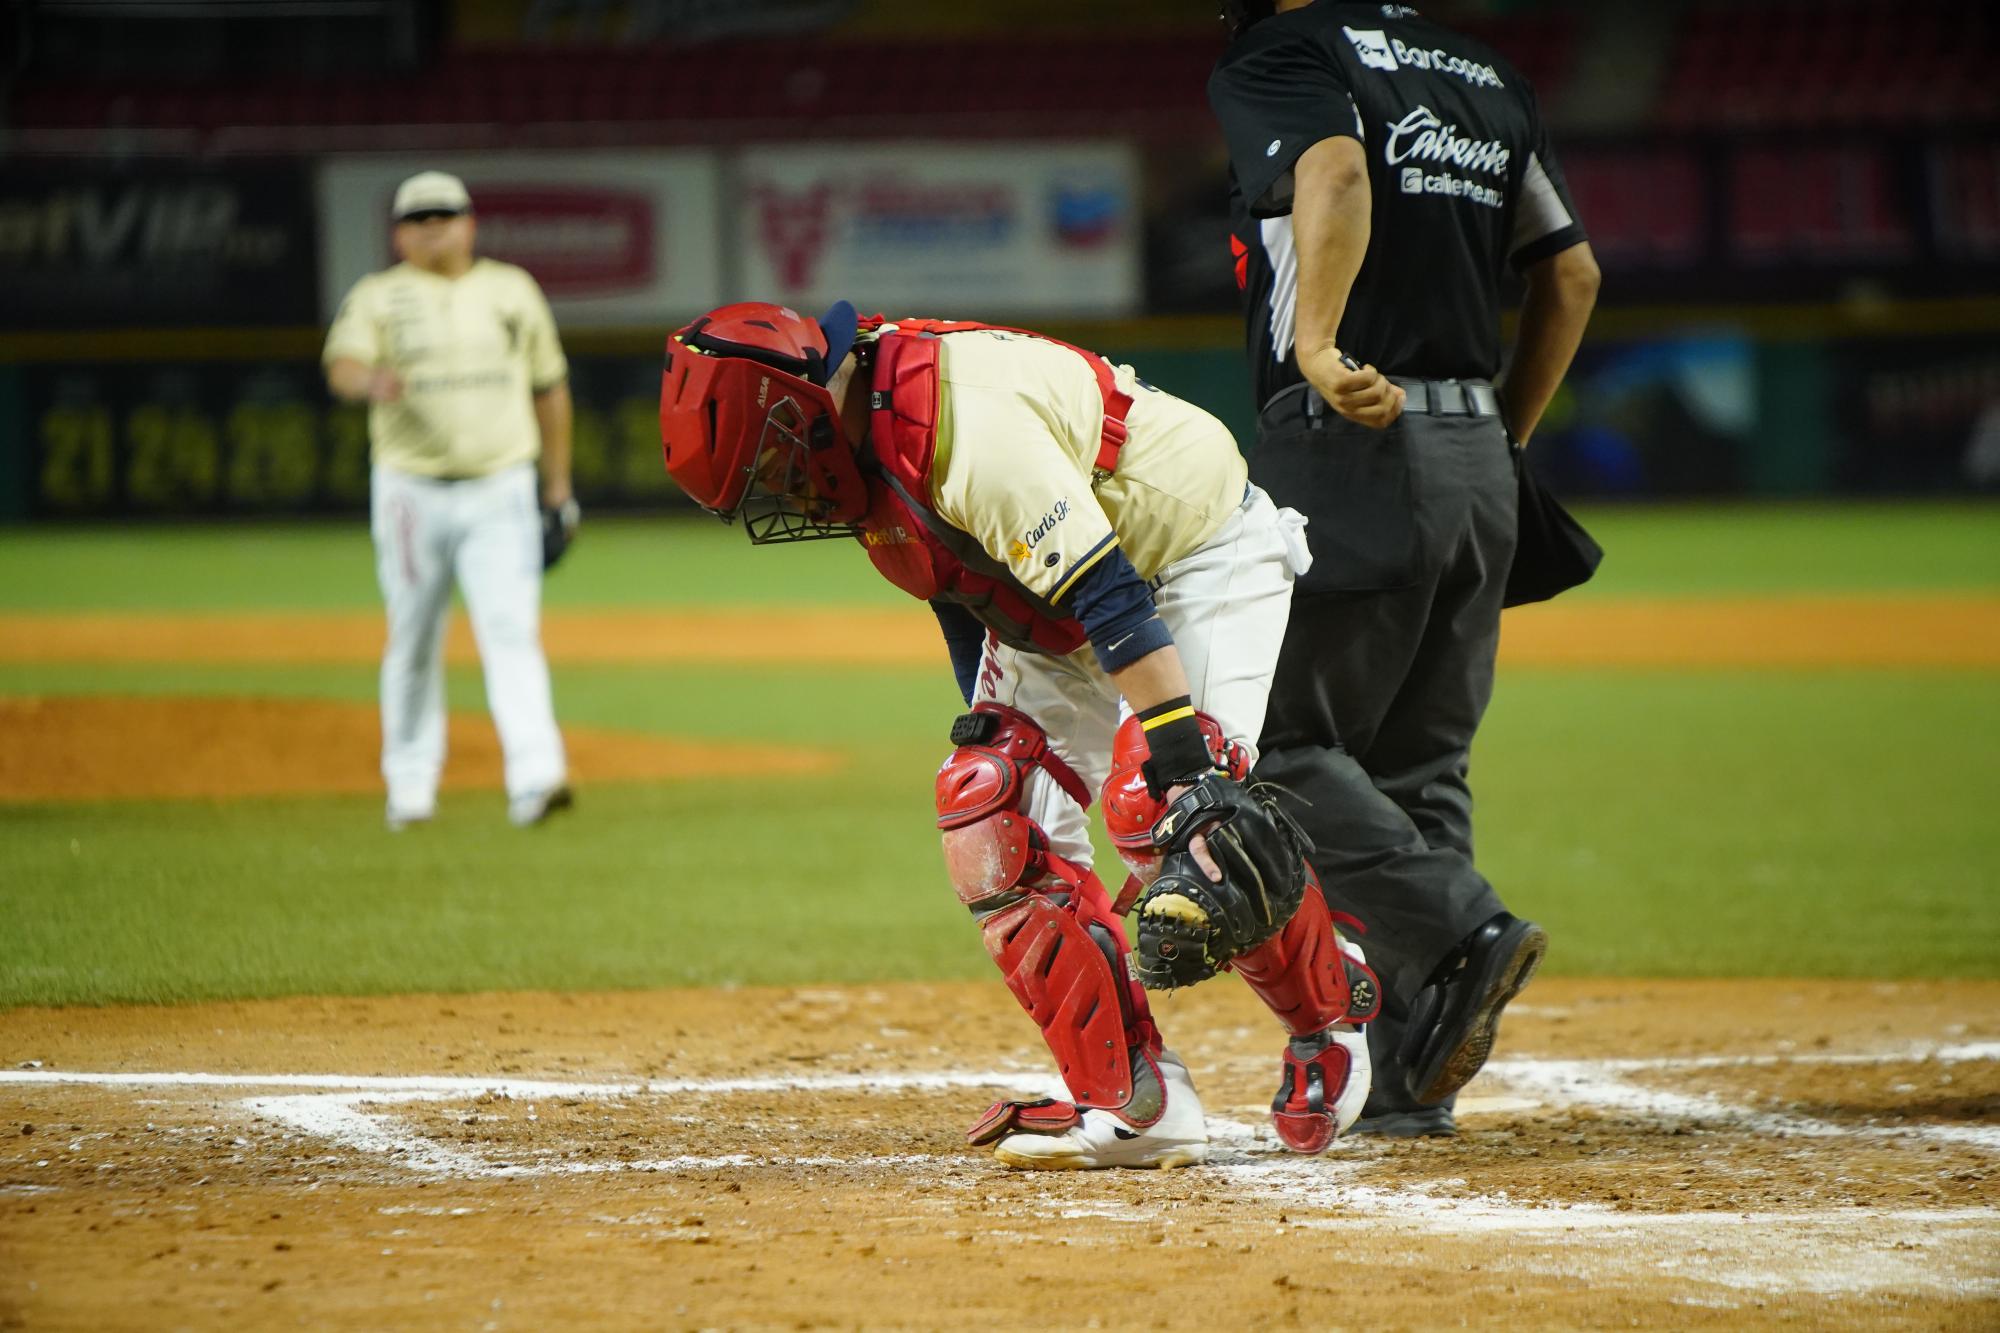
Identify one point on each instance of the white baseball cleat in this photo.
(397, 820)
(535, 808)
(1178, 1138)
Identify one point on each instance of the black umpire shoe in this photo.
(1456, 1016)
(1407, 1122)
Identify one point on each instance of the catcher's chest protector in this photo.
(907, 541)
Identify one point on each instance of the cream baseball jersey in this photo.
(1019, 422)
(470, 351)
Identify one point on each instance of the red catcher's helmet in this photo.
(749, 428)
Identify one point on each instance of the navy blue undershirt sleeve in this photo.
(1117, 611)
(965, 639)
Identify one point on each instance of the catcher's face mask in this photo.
(749, 428)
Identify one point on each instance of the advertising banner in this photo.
(1915, 415)
(614, 238)
(92, 243)
(993, 231)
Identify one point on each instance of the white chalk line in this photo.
(339, 1118)
(1830, 1251)
(504, 1086)
(1596, 1083)
(335, 1112)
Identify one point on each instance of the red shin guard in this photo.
(1302, 975)
(1064, 963)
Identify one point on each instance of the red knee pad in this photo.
(989, 846)
(1130, 809)
(1304, 976)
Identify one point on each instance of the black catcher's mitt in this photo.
(1189, 925)
(558, 530)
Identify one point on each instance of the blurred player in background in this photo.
(1384, 171)
(1102, 570)
(466, 385)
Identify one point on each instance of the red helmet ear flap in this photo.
(705, 431)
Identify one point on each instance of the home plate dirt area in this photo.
(1686, 1154)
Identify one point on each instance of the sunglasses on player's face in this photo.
(430, 215)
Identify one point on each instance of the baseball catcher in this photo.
(1112, 593)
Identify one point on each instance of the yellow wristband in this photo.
(1164, 718)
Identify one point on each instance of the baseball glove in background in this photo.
(1191, 926)
(559, 524)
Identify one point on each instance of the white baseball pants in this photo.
(485, 534)
(1226, 605)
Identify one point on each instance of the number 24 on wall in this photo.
(174, 457)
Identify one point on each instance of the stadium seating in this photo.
(1829, 63)
(1789, 64)
(1151, 85)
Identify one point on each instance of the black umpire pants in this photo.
(1386, 669)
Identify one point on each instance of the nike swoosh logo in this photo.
(1124, 1133)
(1119, 643)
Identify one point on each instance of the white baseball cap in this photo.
(430, 192)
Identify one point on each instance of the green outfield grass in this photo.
(1693, 823)
(686, 560)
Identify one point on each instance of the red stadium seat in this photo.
(1829, 65)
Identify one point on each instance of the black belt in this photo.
(1438, 398)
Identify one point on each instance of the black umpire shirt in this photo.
(1458, 163)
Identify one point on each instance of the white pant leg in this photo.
(411, 521)
(499, 560)
(1076, 704)
(1227, 604)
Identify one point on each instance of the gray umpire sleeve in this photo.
(1545, 219)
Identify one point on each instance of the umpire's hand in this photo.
(1362, 394)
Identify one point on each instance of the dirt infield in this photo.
(77, 749)
(1907, 630)
(1688, 1154)
(1676, 1154)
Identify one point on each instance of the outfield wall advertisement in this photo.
(1003, 231)
(92, 243)
(622, 239)
(615, 239)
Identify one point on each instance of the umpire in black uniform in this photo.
(1383, 170)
